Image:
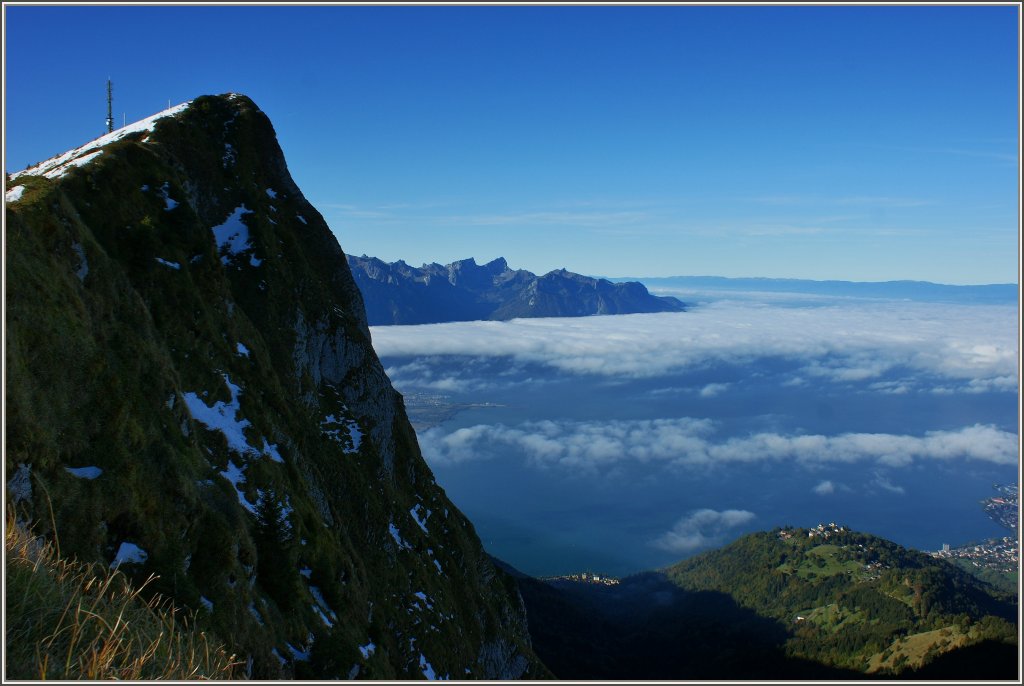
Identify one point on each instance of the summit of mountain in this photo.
(192, 393)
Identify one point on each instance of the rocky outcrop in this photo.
(192, 387)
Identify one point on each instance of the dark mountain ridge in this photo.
(396, 293)
(191, 388)
(781, 604)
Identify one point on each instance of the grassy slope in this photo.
(70, 620)
(855, 601)
(1004, 581)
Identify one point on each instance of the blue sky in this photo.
(857, 142)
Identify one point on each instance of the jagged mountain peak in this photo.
(567, 275)
(464, 290)
(498, 265)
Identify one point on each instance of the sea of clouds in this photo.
(952, 348)
(693, 442)
(726, 393)
(885, 347)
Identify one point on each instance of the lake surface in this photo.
(617, 444)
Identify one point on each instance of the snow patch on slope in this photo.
(223, 417)
(233, 235)
(14, 195)
(236, 475)
(271, 451)
(165, 193)
(421, 520)
(336, 429)
(428, 670)
(322, 605)
(59, 165)
(298, 655)
(129, 553)
(397, 535)
(166, 263)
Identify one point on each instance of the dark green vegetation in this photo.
(463, 291)
(69, 620)
(218, 392)
(780, 605)
(1003, 580)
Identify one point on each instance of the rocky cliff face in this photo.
(464, 291)
(191, 388)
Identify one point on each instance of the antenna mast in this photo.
(110, 106)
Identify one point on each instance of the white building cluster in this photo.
(826, 530)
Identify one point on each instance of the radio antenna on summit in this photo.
(110, 106)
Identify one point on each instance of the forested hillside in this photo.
(783, 604)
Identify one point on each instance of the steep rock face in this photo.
(399, 294)
(463, 291)
(191, 387)
(564, 294)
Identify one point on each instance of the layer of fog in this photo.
(968, 348)
(627, 442)
(685, 442)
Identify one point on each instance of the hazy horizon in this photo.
(651, 277)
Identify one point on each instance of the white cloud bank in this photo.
(701, 529)
(973, 347)
(687, 442)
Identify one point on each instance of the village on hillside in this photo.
(585, 578)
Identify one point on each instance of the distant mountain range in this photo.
(396, 293)
(1000, 293)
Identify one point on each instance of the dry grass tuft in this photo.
(70, 620)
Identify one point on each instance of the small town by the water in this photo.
(1004, 507)
(996, 554)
